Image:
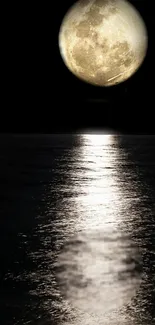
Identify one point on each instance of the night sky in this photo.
(41, 95)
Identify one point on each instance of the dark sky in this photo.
(41, 95)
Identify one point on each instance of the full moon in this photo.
(103, 42)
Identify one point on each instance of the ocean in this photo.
(77, 229)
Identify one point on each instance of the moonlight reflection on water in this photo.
(77, 238)
(98, 269)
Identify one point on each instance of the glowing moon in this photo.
(103, 42)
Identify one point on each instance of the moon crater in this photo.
(103, 42)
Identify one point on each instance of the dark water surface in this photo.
(77, 230)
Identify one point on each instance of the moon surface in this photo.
(103, 42)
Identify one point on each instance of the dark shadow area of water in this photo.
(28, 172)
(139, 152)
